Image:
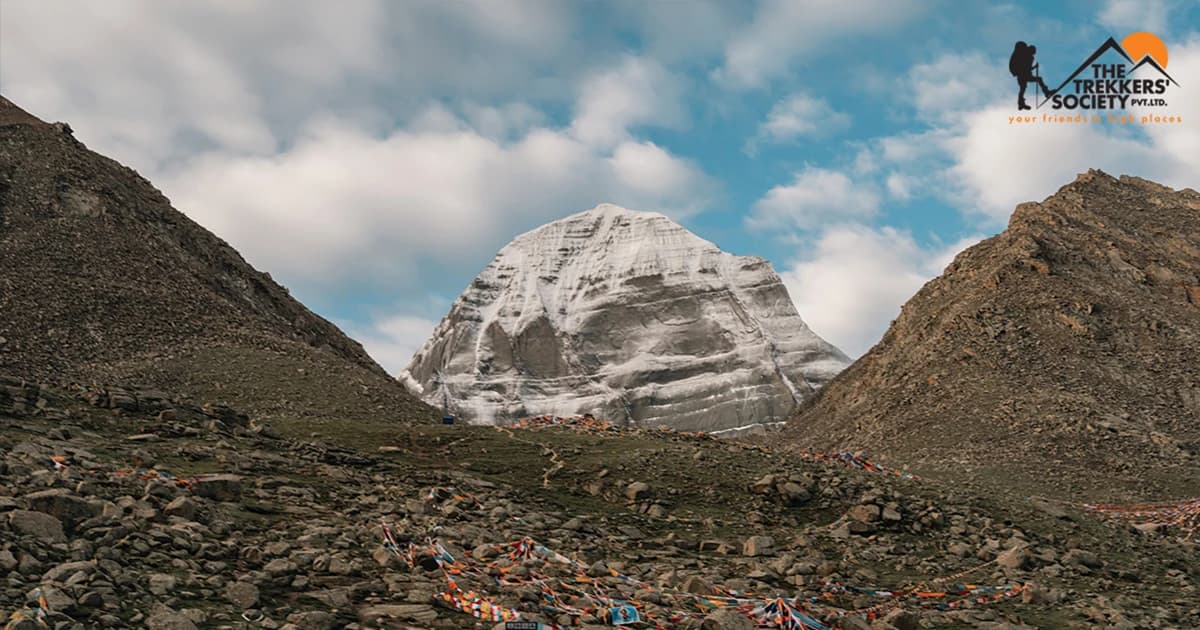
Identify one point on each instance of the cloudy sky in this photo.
(374, 155)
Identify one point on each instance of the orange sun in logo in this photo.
(1138, 45)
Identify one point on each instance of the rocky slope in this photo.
(101, 280)
(627, 315)
(123, 513)
(1060, 353)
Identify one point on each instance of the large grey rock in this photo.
(8, 561)
(628, 316)
(170, 621)
(313, 620)
(637, 491)
(67, 569)
(1015, 558)
(64, 506)
(757, 546)
(37, 524)
(244, 595)
(161, 583)
(56, 598)
(222, 487)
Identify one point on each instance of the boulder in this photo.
(37, 524)
(794, 493)
(161, 583)
(758, 546)
(637, 491)
(313, 620)
(170, 620)
(764, 485)
(223, 487)
(8, 561)
(64, 506)
(696, 585)
(1015, 558)
(182, 507)
(67, 569)
(868, 513)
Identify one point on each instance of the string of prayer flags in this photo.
(1181, 516)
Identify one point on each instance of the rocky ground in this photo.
(126, 509)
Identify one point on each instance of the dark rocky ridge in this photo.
(102, 281)
(1060, 354)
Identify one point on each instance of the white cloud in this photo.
(150, 81)
(815, 197)
(798, 116)
(392, 341)
(998, 165)
(955, 83)
(854, 280)
(1135, 15)
(637, 92)
(899, 186)
(915, 165)
(139, 80)
(865, 162)
(691, 32)
(783, 31)
(503, 122)
(909, 147)
(649, 174)
(339, 144)
(342, 204)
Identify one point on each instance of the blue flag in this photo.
(623, 615)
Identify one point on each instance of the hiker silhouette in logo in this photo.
(1022, 66)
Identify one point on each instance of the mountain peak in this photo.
(606, 218)
(613, 210)
(626, 314)
(1098, 200)
(608, 242)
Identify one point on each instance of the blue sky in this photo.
(373, 156)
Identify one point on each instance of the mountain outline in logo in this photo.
(1100, 86)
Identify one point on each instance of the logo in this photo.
(1117, 76)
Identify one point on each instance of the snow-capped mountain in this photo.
(629, 316)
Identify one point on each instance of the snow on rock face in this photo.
(629, 316)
